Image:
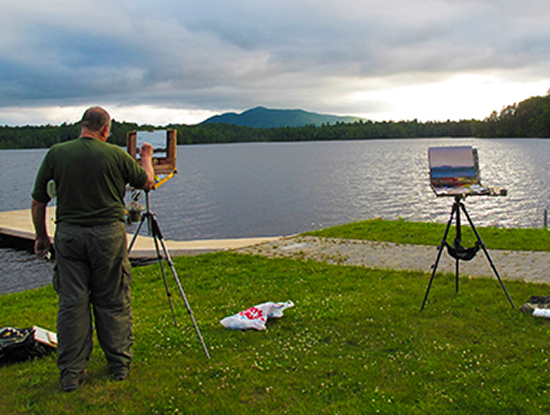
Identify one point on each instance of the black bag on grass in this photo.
(18, 345)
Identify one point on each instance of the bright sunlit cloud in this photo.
(460, 98)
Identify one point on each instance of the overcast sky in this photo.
(163, 61)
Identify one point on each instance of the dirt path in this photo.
(511, 265)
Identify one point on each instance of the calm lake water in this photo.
(271, 189)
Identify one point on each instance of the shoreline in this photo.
(18, 224)
(21, 270)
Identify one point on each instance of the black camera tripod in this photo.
(156, 233)
(458, 252)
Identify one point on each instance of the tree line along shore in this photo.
(527, 119)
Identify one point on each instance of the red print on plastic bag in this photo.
(253, 313)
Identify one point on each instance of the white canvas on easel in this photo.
(164, 144)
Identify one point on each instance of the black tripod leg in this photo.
(136, 233)
(156, 230)
(488, 257)
(458, 240)
(457, 267)
(439, 252)
(149, 217)
(156, 237)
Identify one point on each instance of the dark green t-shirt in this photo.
(90, 177)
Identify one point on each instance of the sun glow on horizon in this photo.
(462, 97)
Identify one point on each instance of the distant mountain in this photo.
(261, 117)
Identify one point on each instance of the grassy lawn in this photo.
(432, 233)
(355, 342)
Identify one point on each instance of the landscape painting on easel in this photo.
(453, 166)
(454, 171)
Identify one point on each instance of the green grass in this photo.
(355, 342)
(420, 233)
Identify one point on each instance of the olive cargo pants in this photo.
(92, 272)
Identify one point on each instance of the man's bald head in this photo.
(95, 119)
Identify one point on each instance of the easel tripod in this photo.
(458, 252)
(156, 233)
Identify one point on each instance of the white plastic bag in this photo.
(256, 317)
(541, 312)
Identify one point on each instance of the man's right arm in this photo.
(146, 153)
